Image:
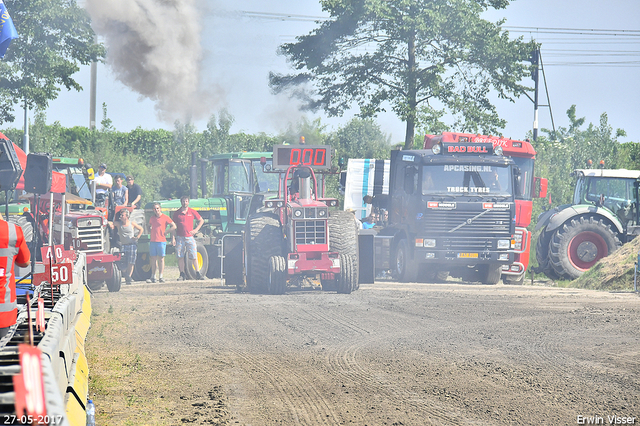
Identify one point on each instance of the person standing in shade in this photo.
(135, 193)
(128, 241)
(103, 182)
(120, 192)
(183, 238)
(13, 251)
(158, 245)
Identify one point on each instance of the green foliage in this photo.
(360, 138)
(408, 54)
(55, 37)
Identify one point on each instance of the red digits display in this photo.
(307, 157)
(317, 157)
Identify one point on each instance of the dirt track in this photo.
(388, 354)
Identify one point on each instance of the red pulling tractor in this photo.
(294, 237)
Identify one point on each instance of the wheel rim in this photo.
(199, 261)
(586, 248)
(146, 266)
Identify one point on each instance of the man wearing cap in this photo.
(103, 182)
(135, 193)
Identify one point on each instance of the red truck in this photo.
(523, 155)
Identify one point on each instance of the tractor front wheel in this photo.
(114, 283)
(348, 279)
(578, 244)
(404, 270)
(263, 239)
(277, 283)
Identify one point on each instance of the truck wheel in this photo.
(142, 270)
(542, 255)
(214, 262)
(343, 236)
(202, 263)
(404, 270)
(27, 227)
(578, 244)
(347, 281)
(277, 283)
(490, 274)
(263, 239)
(114, 283)
(329, 285)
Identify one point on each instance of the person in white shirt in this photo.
(103, 181)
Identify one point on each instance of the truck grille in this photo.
(492, 224)
(90, 233)
(310, 231)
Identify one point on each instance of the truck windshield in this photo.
(466, 179)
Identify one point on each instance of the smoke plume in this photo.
(153, 47)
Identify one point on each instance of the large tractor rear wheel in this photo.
(542, 255)
(578, 244)
(263, 239)
(202, 263)
(343, 237)
(142, 270)
(404, 269)
(27, 227)
(277, 283)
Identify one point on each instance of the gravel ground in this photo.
(197, 352)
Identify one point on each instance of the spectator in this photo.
(158, 245)
(358, 222)
(369, 222)
(184, 241)
(495, 185)
(128, 240)
(120, 192)
(103, 182)
(13, 251)
(135, 193)
(385, 218)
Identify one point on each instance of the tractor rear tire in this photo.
(27, 227)
(578, 244)
(404, 270)
(202, 263)
(263, 239)
(343, 237)
(277, 283)
(142, 270)
(542, 255)
(347, 280)
(114, 283)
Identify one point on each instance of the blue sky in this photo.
(240, 50)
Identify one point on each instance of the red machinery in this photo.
(523, 155)
(295, 237)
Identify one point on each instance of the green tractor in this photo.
(238, 187)
(604, 215)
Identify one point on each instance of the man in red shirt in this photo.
(158, 245)
(13, 251)
(183, 238)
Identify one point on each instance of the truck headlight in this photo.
(504, 244)
(503, 256)
(429, 243)
(436, 149)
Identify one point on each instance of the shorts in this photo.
(130, 253)
(186, 245)
(157, 248)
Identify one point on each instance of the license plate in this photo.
(467, 255)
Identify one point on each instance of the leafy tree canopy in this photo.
(418, 56)
(55, 37)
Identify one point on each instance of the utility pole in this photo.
(92, 95)
(25, 135)
(535, 55)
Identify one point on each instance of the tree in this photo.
(55, 36)
(408, 53)
(360, 138)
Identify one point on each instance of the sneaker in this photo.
(127, 280)
(151, 280)
(161, 280)
(198, 276)
(181, 277)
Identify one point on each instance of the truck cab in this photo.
(451, 209)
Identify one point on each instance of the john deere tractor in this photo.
(603, 216)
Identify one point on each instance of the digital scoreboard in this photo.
(314, 156)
